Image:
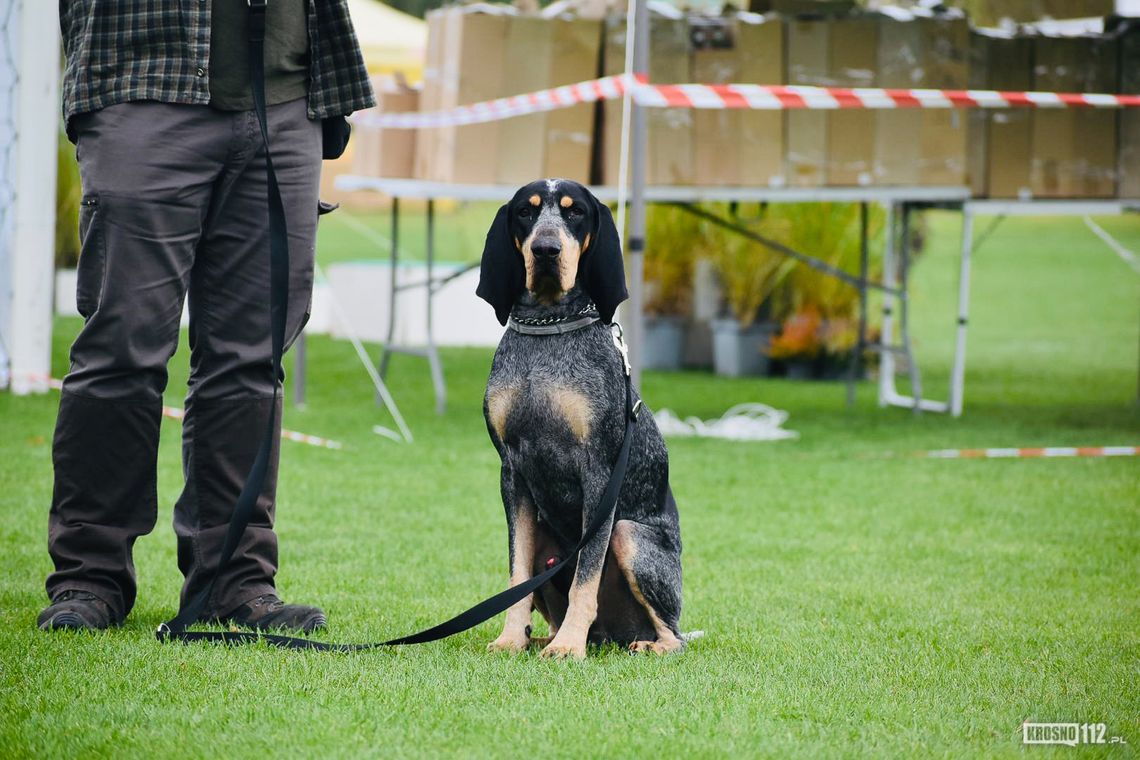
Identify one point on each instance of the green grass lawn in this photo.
(854, 606)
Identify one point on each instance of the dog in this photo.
(555, 409)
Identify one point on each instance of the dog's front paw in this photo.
(509, 642)
(560, 649)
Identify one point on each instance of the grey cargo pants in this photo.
(174, 207)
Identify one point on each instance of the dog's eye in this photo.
(575, 212)
(524, 212)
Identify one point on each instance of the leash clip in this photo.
(619, 344)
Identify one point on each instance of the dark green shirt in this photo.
(286, 53)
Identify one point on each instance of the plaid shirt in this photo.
(123, 50)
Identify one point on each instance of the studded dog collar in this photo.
(554, 325)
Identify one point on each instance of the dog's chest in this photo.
(555, 395)
(523, 410)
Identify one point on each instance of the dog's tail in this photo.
(692, 636)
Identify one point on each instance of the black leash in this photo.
(175, 629)
(484, 610)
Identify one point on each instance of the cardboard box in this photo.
(482, 52)
(1000, 139)
(798, 7)
(527, 52)
(670, 138)
(760, 60)
(465, 64)
(1074, 150)
(807, 45)
(738, 147)
(378, 152)
(897, 142)
(853, 49)
(569, 134)
(430, 94)
(991, 13)
(945, 46)
(1128, 175)
(831, 148)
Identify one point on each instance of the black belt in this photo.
(175, 629)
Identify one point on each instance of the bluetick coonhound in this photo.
(555, 406)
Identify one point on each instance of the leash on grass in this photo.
(175, 629)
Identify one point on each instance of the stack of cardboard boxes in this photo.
(1128, 167)
(688, 147)
(387, 152)
(482, 52)
(1046, 153)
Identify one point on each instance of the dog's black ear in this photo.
(502, 277)
(602, 271)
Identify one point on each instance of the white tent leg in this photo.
(958, 375)
(31, 253)
(887, 358)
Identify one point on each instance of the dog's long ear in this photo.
(502, 277)
(602, 271)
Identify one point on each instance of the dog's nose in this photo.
(546, 248)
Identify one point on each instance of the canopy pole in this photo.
(635, 246)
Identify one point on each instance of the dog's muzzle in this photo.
(546, 248)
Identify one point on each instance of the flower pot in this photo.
(740, 351)
(664, 342)
(799, 369)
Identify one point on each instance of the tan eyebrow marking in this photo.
(566, 201)
(535, 200)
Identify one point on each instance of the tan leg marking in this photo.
(625, 550)
(574, 408)
(566, 201)
(499, 403)
(516, 628)
(570, 641)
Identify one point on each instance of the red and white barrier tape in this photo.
(745, 96)
(769, 98)
(175, 413)
(1032, 453)
(606, 88)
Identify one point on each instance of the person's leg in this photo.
(147, 171)
(231, 383)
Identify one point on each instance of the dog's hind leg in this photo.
(521, 520)
(652, 566)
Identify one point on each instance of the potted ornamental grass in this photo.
(820, 329)
(749, 272)
(672, 238)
